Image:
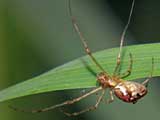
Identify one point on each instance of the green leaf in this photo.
(81, 73)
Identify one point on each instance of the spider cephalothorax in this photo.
(105, 80)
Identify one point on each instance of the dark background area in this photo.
(37, 35)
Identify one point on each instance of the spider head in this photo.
(130, 91)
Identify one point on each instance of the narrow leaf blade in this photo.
(81, 73)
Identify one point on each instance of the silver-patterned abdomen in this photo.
(130, 91)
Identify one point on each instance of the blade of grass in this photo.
(81, 73)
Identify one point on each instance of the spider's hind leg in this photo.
(91, 108)
(68, 102)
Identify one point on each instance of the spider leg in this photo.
(87, 49)
(150, 76)
(111, 99)
(122, 40)
(91, 108)
(128, 72)
(68, 102)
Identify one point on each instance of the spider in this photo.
(127, 91)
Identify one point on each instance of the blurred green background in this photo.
(37, 35)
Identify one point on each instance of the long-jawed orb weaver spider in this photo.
(127, 91)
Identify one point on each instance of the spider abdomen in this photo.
(130, 91)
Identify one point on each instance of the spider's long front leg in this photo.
(87, 49)
(68, 102)
(122, 40)
(89, 108)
